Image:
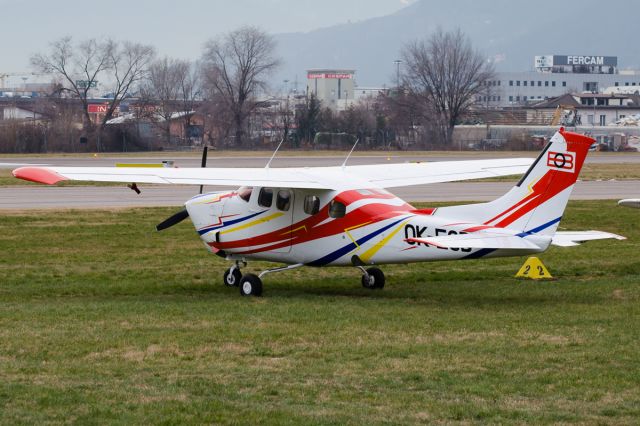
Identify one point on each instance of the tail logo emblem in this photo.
(562, 161)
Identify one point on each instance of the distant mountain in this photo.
(512, 30)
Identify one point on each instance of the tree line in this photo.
(440, 79)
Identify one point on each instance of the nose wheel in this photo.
(232, 277)
(372, 278)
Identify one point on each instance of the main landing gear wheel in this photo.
(232, 277)
(373, 279)
(251, 285)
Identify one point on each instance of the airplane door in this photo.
(284, 204)
(270, 227)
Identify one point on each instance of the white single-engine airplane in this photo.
(343, 216)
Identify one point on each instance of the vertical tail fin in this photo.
(536, 204)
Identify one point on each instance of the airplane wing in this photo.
(288, 178)
(482, 241)
(395, 175)
(574, 238)
(332, 178)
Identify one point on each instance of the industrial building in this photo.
(334, 87)
(554, 76)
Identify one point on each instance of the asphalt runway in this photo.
(45, 197)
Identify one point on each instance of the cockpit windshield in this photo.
(245, 192)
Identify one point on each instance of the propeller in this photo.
(173, 220)
(182, 214)
(204, 163)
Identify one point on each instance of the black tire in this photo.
(374, 279)
(232, 279)
(251, 285)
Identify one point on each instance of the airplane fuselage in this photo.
(326, 228)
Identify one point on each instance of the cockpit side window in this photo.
(283, 200)
(265, 199)
(311, 204)
(337, 209)
(245, 193)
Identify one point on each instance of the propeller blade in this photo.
(204, 162)
(173, 220)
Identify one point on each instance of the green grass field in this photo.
(103, 320)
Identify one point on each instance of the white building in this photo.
(554, 76)
(334, 87)
(587, 109)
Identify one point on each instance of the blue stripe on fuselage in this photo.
(230, 222)
(540, 228)
(350, 247)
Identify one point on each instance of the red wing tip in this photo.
(38, 174)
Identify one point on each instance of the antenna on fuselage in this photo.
(350, 152)
(274, 154)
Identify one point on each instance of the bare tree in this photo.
(128, 65)
(79, 67)
(119, 66)
(160, 94)
(172, 87)
(445, 74)
(190, 90)
(235, 66)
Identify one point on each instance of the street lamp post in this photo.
(397, 62)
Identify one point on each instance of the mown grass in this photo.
(102, 320)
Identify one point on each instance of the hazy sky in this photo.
(175, 28)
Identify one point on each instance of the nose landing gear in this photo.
(250, 284)
(232, 276)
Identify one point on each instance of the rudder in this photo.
(536, 204)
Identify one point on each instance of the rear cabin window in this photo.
(337, 209)
(311, 204)
(283, 200)
(245, 193)
(265, 199)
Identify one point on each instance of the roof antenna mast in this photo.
(350, 152)
(274, 153)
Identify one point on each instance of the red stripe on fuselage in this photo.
(312, 227)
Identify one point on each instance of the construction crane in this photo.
(565, 115)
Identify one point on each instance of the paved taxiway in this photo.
(41, 197)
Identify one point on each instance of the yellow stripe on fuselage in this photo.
(254, 223)
(346, 231)
(291, 231)
(367, 255)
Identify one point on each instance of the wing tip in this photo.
(38, 175)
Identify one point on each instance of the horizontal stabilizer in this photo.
(633, 202)
(574, 238)
(485, 240)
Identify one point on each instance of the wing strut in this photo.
(274, 154)
(350, 152)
